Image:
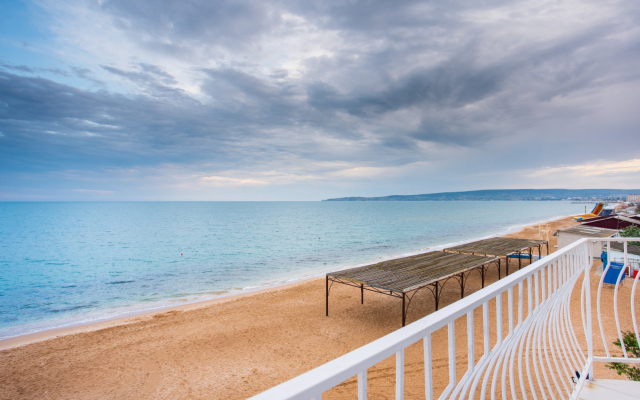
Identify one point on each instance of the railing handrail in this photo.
(326, 376)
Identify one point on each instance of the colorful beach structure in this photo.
(593, 214)
(533, 345)
(404, 277)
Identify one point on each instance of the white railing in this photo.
(537, 358)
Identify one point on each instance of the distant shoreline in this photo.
(507, 195)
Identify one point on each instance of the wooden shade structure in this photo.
(404, 277)
(502, 247)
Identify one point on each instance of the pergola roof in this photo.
(405, 274)
(499, 246)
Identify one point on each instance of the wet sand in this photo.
(230, 348)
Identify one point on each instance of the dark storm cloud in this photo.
(454, 83)
(86, 73)
(56, 71)
(22, 68)
(151, 78)
(264, 100)
(394, 75)
(40, 117)
(381, 80)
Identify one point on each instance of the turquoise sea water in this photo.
(63, 264)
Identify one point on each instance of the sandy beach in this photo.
(229, 348)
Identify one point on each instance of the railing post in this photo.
(510, 307)
(400, 375)
(626, 260)
(362, 385)
(428, 377)
(589, 332)
(471, 353)
(486, 328)
(451, 331)
(499, 318)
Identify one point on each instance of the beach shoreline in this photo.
(232, 295)
(230, 348)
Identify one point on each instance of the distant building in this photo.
(616, 222)
(569, 235)
(633, 198)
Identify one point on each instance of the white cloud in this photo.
(600, 167)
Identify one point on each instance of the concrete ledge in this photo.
(610, 389)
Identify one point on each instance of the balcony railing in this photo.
(545, 353)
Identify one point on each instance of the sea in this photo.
(65, 264)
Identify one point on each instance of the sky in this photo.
(115, 100)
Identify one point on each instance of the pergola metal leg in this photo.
(437, 297)
(482, 274)
(361, 294)
(500, 268)
(530, 255)
(539, 251)
(519, 260)
(462, 285)
(404, 314)
(327, 297)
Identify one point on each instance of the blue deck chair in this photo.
(614, 272)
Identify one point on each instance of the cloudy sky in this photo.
(306, 100)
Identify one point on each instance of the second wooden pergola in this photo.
(502, 247)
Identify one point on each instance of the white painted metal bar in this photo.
(583, 306)
(400, 375)
(602, 335)
(510, 303)
(543, 280)
(571, 335)
(529, 297)
(542, 350)
(626, 258)
(615, 307)
(471, 351)
(520, 301)
(538, 361)
(529, 339)
(537, 276)
(362, 385)
(633, 306)
(451, 341)
(428, 372)
(486, 328)
(499, 318)
(589, 317)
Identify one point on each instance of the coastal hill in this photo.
(507, 194)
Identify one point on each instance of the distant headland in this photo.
(508, 195)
